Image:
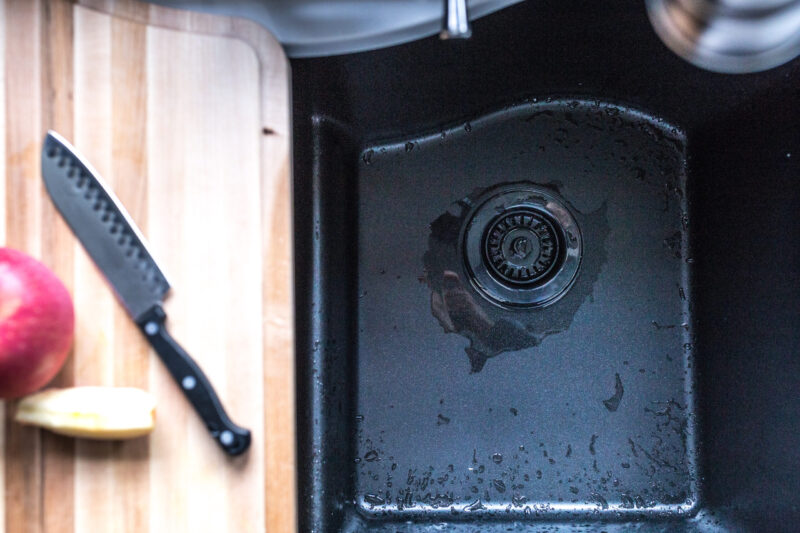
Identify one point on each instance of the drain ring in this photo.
(521, 246)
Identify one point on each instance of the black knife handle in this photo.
(195, 385)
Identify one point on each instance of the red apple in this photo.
(36, 324)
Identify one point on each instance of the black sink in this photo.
(547, 279)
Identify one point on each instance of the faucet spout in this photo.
(456, 20)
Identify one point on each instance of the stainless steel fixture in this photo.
(522, 246)
(312, 28)
(456, 20)
(730, 36)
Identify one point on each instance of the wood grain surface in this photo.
(186, 116)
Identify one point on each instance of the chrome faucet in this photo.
(732, 36)
(456, 20)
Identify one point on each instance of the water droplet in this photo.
(612, 404)
(409, 146)
(499, 485)
(468, 127)
(474, 506)
(601, 501)
(627, 502)
(374, 499)
(497, 458)
(625, 465)
(367, 157)
(513, 411)
(371, 456)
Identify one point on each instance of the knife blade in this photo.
(104, 227)
(110, 237)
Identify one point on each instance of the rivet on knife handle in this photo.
(233, 439)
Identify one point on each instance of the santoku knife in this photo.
(114, 243)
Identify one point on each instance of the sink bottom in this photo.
(465, 407)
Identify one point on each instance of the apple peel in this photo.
(104, 413)
(37, 322)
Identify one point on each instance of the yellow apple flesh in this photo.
(91, 412)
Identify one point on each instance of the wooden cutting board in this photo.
(187, 117)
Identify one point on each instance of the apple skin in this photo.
(37, 322)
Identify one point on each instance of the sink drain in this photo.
(521, 246)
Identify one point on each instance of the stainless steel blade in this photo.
(103, 226)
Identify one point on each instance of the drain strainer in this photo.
(521, 246)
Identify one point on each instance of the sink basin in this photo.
(547, 279)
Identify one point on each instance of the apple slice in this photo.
(91, 412)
